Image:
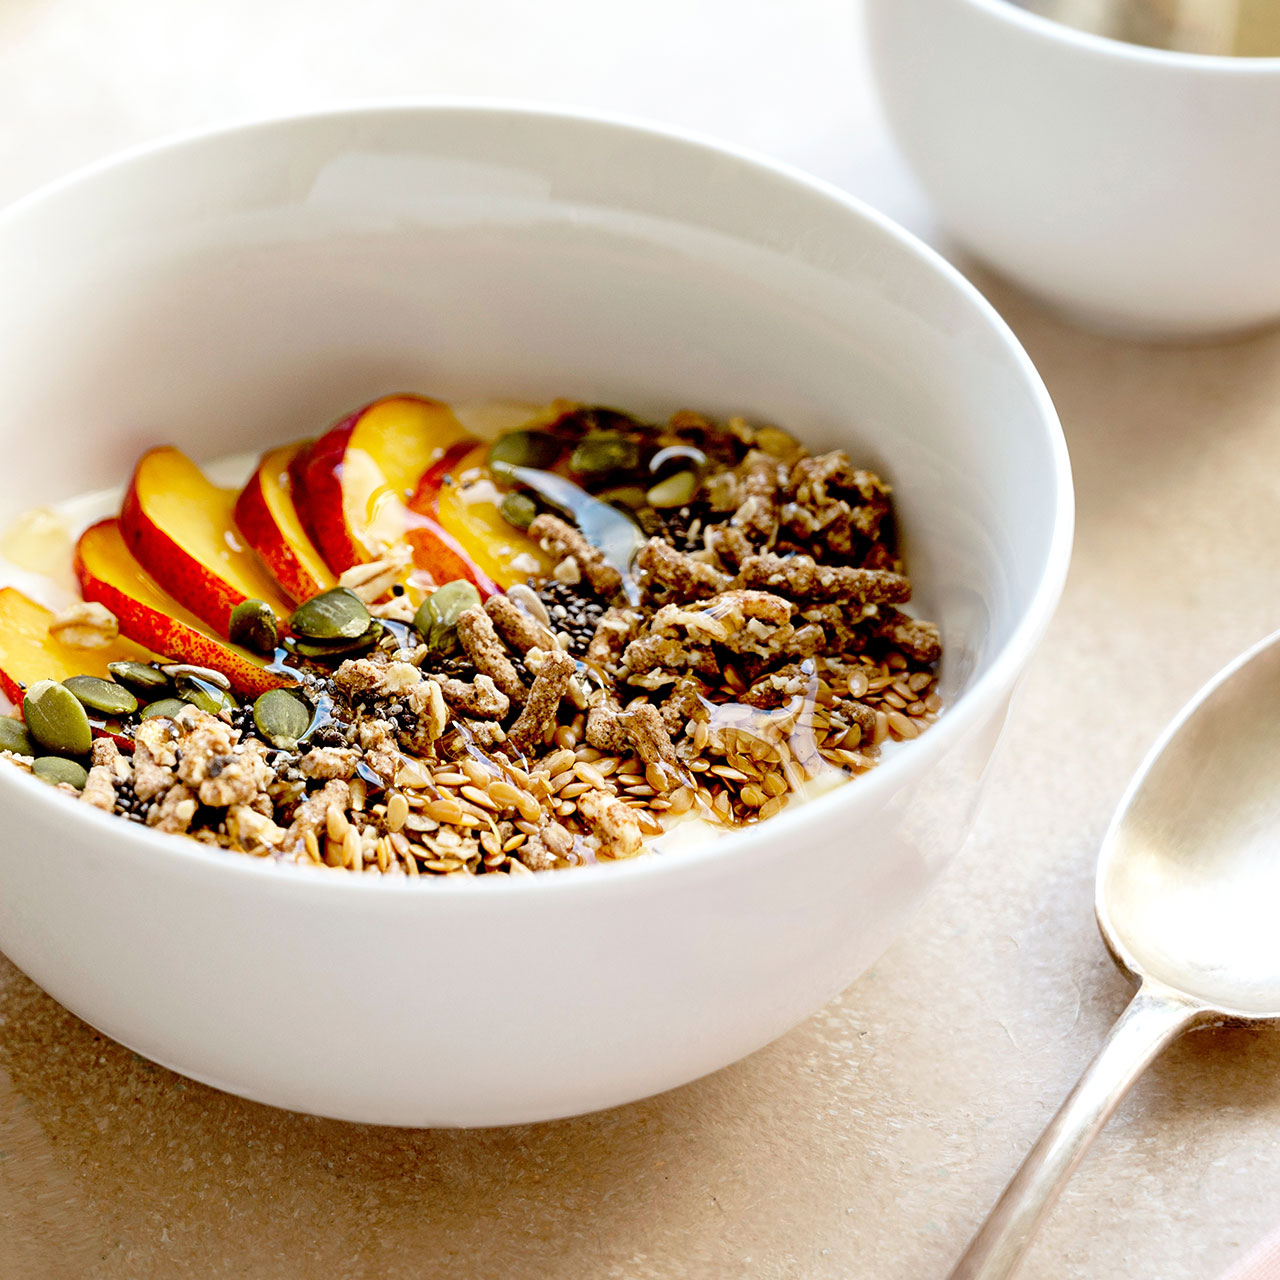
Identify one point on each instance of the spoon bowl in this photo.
(1189, 872)
(1188, 878)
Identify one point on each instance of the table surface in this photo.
(871, 1140)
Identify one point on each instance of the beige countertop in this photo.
(871, 1140)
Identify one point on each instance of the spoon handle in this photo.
(1154, 1017)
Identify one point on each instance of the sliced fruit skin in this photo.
(477, 525)
(268, 519)
(181, 528)
(29, 653)
(437, 551)
(109, 573)
(317, 494)
(358, 476)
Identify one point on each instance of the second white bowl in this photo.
(1133, 188)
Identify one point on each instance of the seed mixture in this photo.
(750, 641)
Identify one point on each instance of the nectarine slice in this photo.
(469, 508)
(109, 573)
(267, 517)
(359, 475)
(182, 530)
(29, 653)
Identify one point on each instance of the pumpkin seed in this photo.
(335, 648)
(603, 453)
(674, 491)
(629, 497)
(14, 737)
(437, 616)
(519, 509)
(253, 624)
(208, 697)
(281, 717)
(536, 449)
(337, 614)
(176, 670)
(776, 443)
(56, 720)
(164, 707)
(139, 677)
(104, 696)
(56, 769)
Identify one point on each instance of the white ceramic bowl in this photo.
(240, 288)
(1132, 188)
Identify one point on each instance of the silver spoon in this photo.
(1188, 881)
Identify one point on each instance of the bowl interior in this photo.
(244, 288)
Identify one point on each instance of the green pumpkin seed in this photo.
(138, 676)
(519, 509)
(253, 624)
(56, 720)
(438, 614)
(56, 769)
(776, 443)
(208, 697)
(104, 696)
(536, 449)
(627, 497)
(168, 707)
(674, 491)
(603, 453)
(14, 737)
(338, 614)
(281, 717)
(322, 650)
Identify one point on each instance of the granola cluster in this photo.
(754, 644)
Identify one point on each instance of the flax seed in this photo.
(590, 775)
(477, 774)
(478, 796)
(504, 795)
(351, 845)
(397, 812)
(444, 810)
(335, 822)
(902, 726)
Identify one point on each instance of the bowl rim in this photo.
(969, 711)
(1053, 31)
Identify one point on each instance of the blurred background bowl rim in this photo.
(1050, 29)
(970, 710)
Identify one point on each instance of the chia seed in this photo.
(571, 611)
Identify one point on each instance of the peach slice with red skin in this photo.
(109, 573)
(29, 653)
(471, 514)
(357, 478)
(182, 530)
(268, 518)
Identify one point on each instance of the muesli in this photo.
(400, 649)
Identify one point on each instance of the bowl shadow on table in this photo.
(132, 1170)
